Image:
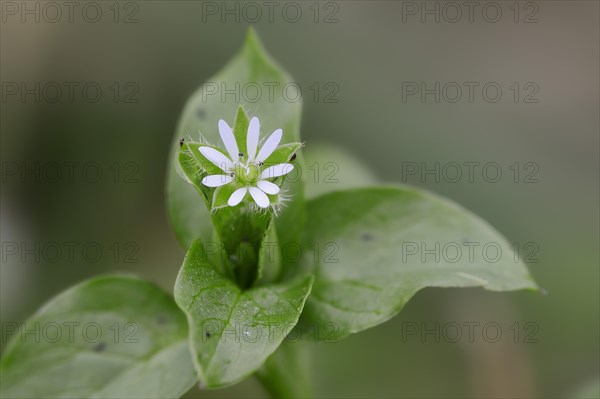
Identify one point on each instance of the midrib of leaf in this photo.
(212, 358)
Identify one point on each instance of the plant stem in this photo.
(286, 373)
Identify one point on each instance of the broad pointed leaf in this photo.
(376, 247)
(107, 337)
(331, 168)
(232, 331)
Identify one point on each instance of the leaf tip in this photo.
(252, 38)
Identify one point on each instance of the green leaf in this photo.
(269, 257)
(286, 373)
(283, 153)
(240, 129)
(232, 331)
(189, 214)
(376, 247)
(331, 168)
(251, 67)
(108, 337)
(221, 196)
(191, 169)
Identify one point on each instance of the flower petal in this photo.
(269, 146)
(252, 138)
(217, 157)
(268, 187)
(277, 170)
(228, 139)
(237, 196)
(260, 198)
(216, 180)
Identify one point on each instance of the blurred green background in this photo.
(352, 60)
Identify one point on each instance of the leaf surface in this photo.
(233, 331)
(376, 247)
(110, 336)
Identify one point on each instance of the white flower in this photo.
(245, 170)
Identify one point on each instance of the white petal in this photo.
(252, 139)
(216, 180)
(269, 145)
(277, 170)
(217, 157)
(228, 139)
(237, 196)
(260, 198)
(268, 187)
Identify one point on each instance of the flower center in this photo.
(247, 174)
